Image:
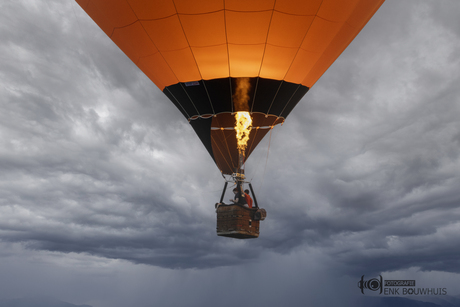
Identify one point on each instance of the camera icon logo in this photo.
(374, 284)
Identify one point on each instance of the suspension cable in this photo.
(266, 159)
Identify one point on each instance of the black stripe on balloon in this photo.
(202, 128)
(294, 100)
(205, 96)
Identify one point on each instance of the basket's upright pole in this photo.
(253, 195)
(223, 192)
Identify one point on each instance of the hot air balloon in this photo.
(219, 59)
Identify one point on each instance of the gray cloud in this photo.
(94, 160)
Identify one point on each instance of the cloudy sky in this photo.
(107, 195)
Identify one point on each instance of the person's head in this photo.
(235, 190)
(246, 191)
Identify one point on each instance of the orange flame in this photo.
(243, 128)
(243, 118)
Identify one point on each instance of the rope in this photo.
(266, 160)
(256, 169)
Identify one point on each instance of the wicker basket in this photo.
(237, 222)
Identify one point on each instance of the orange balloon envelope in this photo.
(195, 52)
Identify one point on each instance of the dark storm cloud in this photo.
(373, 153)
(95, 160)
